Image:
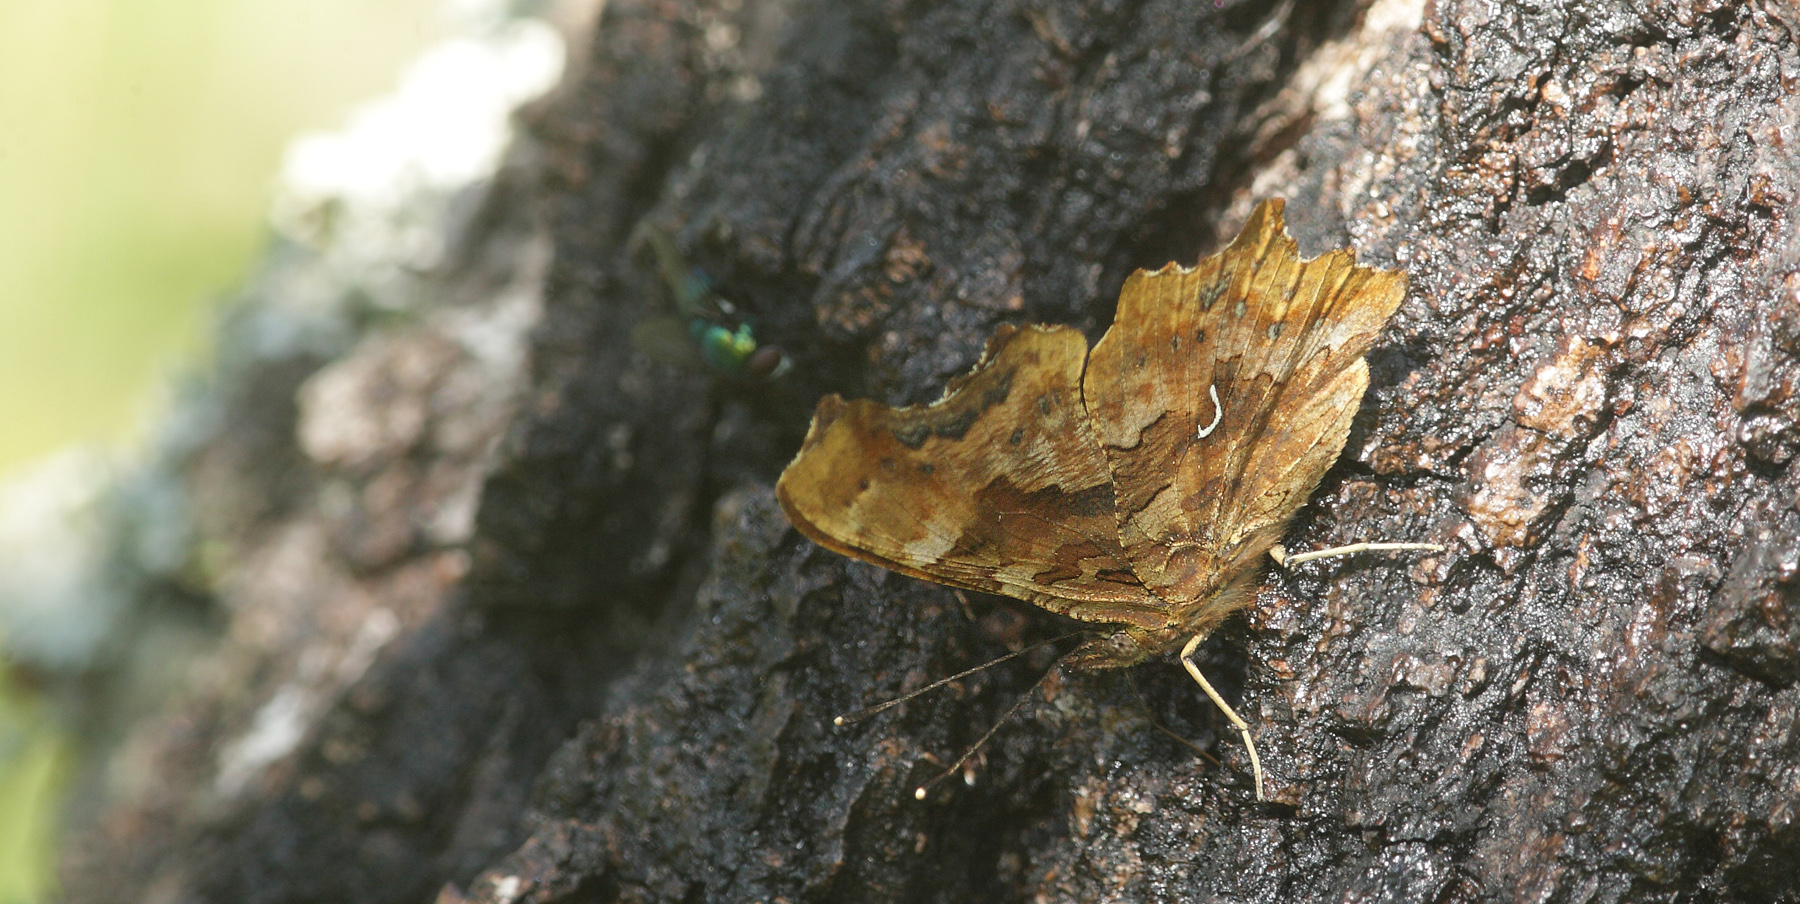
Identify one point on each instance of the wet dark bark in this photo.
(1589, 396)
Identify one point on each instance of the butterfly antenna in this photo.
(1177, 738)
(866, 712)
(1157, 723)
(921, 791)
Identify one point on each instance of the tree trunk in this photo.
(1591, 395)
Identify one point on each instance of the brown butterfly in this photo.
(1136, 486)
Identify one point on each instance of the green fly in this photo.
(696, 334)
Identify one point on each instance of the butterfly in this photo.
(1135, 486)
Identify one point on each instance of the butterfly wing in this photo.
(1281, 342)
(999, 487)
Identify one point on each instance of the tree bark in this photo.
(1589, 395)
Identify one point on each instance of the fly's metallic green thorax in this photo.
(699, 329)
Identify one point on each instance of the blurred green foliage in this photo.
(33, 757)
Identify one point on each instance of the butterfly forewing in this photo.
(1203, 490)
(1148, 389)
(1298, 348)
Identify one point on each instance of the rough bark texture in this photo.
(624, 690)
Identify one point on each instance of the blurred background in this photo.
(138, 146)
(139, 143)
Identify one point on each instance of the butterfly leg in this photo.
(1243, 729)
(1280, 554)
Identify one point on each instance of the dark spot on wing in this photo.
(1209, 295)
(956, 425)
(949, 420)
(912, 436)
(1018, 435)
(1095, 500)
(997, 393)
(1004, 497)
